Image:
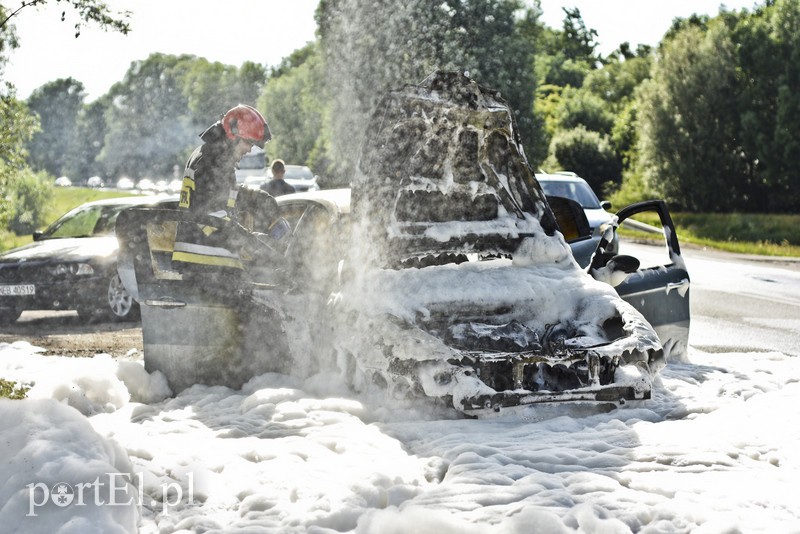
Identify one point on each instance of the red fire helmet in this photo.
(245, 122)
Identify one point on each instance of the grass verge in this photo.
(742, 233)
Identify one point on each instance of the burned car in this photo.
(459, 282)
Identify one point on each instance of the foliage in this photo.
(688, 123)
(95, 11)
(714, 108)
(17, 126)
(565, 57)
(632, 189)
(746, 227)
(213, 88)
(294, 110)
(147, 124)
(722, 112)
(583, 108)
(588, 154)
(768, 55)
(30, 195)
(92, 129)
(11, 390)
(150, 129)
(55, 147)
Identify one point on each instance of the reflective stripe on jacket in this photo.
(209, 188)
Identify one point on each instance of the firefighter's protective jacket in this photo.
(209, 188)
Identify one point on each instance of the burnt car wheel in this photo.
(9, 315)
(119, 304)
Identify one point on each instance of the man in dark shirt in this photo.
(277, 186)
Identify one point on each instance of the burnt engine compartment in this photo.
(513, 356)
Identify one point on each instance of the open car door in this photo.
(657, 282)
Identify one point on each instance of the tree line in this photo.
(708, 120)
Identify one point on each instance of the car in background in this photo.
(146, 184)
(252, 165)
(570, 185)
(63, 181)
(95, 182)
(298, 176)
(174, 186)
(254, 182)
(72, 265)
(125, 183)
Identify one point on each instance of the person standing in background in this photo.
(277, 186)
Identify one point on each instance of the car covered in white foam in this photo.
(458, 281)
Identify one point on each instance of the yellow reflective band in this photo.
(187, 186)
(202, 259)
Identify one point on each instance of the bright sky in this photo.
(265, 31)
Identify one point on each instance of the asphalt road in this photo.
(64, 333)
(741, 303)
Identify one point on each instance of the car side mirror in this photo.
(605, 204)
(623, 263)
(612, 268)
(37, 235)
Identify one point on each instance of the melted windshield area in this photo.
(90, 221)
(577, 191)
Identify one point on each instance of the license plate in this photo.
(18, 290)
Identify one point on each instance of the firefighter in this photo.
(211, 240)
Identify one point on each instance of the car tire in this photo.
(119, 305)
(9, 315)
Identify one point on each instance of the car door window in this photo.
(80, 224)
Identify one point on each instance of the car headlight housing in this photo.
(72, 269)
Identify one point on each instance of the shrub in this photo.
(10, 390)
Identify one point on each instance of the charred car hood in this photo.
(66, 250)
(503, 333)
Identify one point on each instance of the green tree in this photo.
(688, 117)
(17, 127)
(56, 146)
(564, 57)
(30, 195)
(88, 11)
(768, 54)
(588, 154)
(293, 101)
(92, 129)
(213, 88)
(150, 127)
(583, 108)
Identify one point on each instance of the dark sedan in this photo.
(72, 265)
